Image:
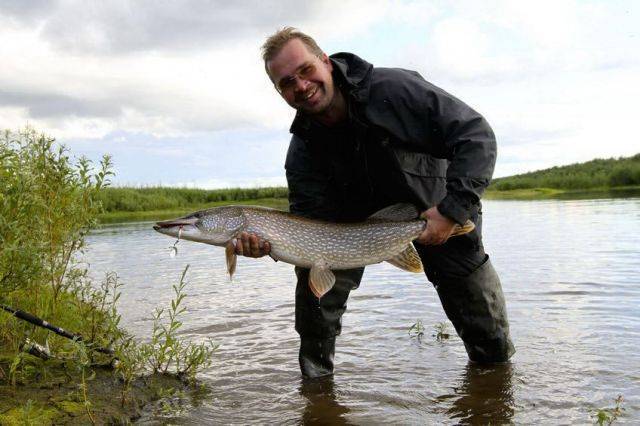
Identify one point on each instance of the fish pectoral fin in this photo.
(463, 229)
(408, 260)
(321, 280)
(232, 258)
(400, 212)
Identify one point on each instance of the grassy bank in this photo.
(563, 194)
(164, 199)
(594, 179)
(158, 203)
(48, 204)
(596, 175)
(599, 178)
(169, 213)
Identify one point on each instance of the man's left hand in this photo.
(439, 228)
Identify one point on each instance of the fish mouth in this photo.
(165, 224)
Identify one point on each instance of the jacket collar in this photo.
(352, 75)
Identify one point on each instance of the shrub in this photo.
(47, 205)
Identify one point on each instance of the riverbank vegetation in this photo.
(152, 203)
(48, 204)
(595, 178)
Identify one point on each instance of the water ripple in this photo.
(571, 279)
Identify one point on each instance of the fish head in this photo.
(214, 226)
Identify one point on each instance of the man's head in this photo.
(299, 70)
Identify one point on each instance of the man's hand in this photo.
(249, 245)
(439, 228)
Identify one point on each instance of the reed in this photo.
(127, 199)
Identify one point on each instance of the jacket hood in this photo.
(355, 72)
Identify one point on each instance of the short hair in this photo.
(277, 40)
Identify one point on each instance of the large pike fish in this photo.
(320, 246)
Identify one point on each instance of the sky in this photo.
(176, 93)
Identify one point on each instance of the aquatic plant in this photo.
(416, 330)
(610, 414)
(441, 330)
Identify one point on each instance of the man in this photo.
(365, 138)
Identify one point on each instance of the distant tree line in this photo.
(160, 198)
(598, 173)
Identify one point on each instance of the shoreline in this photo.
(62, 397)
(564, 194)
(153, 215)
(532, 194)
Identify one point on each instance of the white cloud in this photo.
(557, 79)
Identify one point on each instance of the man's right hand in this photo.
(249, 245)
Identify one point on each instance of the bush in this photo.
(628, 174)
(597, 173)
(47, 205)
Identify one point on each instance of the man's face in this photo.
(303, 79)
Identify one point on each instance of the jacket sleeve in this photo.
(432, 120)
(461, 135)
(307, 187)
(470, 145)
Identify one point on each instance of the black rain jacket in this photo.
(437, 149)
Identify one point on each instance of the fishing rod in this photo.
(30, 318)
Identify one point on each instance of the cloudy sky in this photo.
(176, 92)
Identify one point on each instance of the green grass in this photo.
(554, 193)
(594, 179)
(162, 214)
(164, 198)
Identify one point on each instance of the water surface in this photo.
(571, 277)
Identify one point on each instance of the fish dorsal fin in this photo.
(321, 280)
(397, 212)
(407, 259)
(232, 258)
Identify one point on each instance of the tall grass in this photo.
(163, 198)
(598, 173)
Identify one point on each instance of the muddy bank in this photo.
(56, 396)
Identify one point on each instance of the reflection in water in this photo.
(484, 396)
(322, 406)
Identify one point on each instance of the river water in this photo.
(571, 276)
